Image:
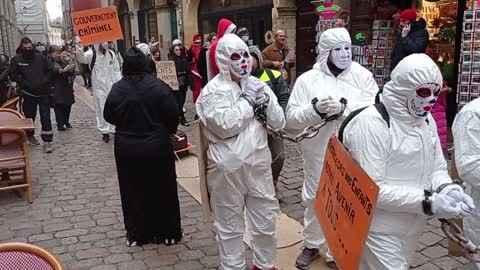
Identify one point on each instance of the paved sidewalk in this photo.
(76, 212)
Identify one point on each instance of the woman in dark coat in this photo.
(145, 114)
(184, 77)
(62, 87)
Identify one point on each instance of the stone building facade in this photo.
(9, 33)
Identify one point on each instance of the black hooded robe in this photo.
(145, 114)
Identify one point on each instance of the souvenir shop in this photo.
(452, 41)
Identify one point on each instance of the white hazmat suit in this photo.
(356, 84)
(105, 72)
(239, 173)
(466, 134)
(404, 160)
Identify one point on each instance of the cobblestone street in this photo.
(76, 211)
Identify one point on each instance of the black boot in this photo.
(305, 259)
(106, 138)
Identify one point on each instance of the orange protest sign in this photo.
(345, 203)
(97, 25)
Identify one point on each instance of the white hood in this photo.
(328, 40)
(226, 46)
(412, 72)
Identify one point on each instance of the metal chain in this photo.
(307, 133)
(455, 234)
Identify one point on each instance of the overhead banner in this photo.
(97, 25)
(345, 202)
(167, 72)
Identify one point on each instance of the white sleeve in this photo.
(84, 57)
(367, 97)
(223, 117)
(440, 174)
(300, 113)
(275, 114)
(466, 133)
(368, 141)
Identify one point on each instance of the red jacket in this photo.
(439, 114)
(224, 26)
(196, 55)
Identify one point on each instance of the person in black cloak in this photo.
(145, 114)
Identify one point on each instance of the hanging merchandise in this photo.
(383, 41)
(469, 67)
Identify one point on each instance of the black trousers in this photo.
(62, 114)
(29, 107)
(181, 95)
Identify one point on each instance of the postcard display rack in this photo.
(363, 54)
(469, 70)
(383, 41)
(323, 25)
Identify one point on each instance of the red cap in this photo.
(409, 14)
(197, 38)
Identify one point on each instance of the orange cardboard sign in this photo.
(345, 203)
(97, 25)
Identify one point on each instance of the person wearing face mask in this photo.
(105, 72)
(243, 33)
(466, 135)
(32, 71)
(397, 145)
(315, 96)
(225, 26)
(194, 55)
(239, 176)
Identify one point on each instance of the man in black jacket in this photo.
(32, 71)
(412, 39)
(277, 83)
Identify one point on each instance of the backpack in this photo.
(380, 108)
(94, 58)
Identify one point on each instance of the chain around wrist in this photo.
(427, 203)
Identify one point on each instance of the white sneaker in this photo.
(184, 110)
(47, 147)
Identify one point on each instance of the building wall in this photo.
(55, 35)
(9, 34)
(32, 19)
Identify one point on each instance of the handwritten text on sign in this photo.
(166, 72)
(345, 202)
(97, 25)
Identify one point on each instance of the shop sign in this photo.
(328, 11)
(345, 204)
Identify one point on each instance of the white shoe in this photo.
(47, 147)
(184, 110)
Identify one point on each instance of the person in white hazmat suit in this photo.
(239, 174)
(466, 134)
(317, 94)
(105, 72)
(399, 148)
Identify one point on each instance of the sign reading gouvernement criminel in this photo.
(345, 203)
(97, 25)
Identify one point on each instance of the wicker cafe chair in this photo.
(14, 160)
(22, 256)
(11, 103)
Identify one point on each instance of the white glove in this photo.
(444, 206)
(329, 106)
(254, 88)
(261, 96)
(456, 192)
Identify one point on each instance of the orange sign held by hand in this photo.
(97, 25)
(345, 203)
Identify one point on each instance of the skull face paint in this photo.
(421, 101)
(241, 63)
(341, 55)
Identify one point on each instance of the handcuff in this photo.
(427, 203)
(325, 116)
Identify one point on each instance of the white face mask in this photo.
(245, 38)
(421, 100)
(342, 55)
(241, 63)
